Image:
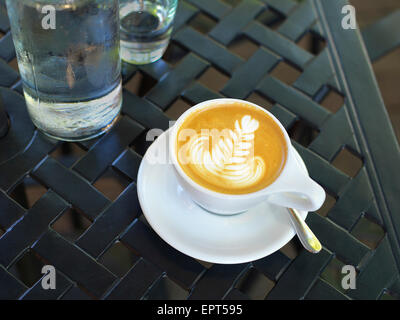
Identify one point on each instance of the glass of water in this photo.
(146, 27)
(68, 57)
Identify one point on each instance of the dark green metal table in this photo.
(332, 109)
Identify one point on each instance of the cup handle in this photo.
(295, 189)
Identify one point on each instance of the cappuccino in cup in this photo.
(230, 155)
(231, 148)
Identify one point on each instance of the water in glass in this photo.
(71, 74)
(146, 27)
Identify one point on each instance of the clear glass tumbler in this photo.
(68, 57)
(146, 27)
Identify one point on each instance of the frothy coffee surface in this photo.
(231, 148)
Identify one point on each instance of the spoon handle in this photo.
(306, 236)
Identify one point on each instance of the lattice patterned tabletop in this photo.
(48, 188)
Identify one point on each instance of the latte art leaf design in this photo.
(231, 157)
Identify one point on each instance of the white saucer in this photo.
(202, 235)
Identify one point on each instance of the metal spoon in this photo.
(306, 236)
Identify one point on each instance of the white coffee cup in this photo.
(293, 188)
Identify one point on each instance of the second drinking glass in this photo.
(146, 27)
